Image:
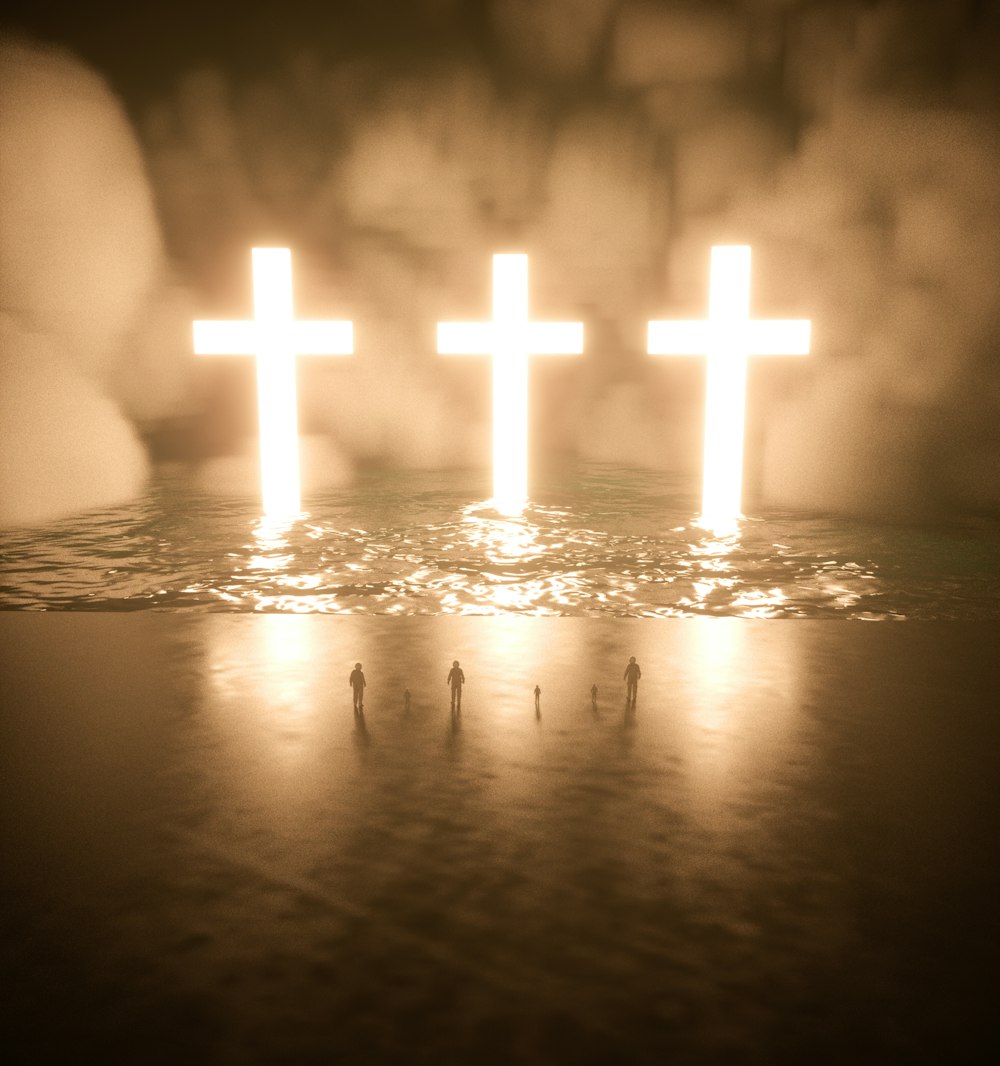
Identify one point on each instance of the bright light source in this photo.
(727, 337)
(510, 338)
(275, 338)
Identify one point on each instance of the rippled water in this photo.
(598, 540)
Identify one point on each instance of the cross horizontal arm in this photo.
(679, 337)
(225, 338)
(555, 338)
(778, 336)
(466, 338)
(767, 336)
(244, 338)
(323, 338)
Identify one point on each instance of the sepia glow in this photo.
(727, 337)
(510, 338)
(275, 338)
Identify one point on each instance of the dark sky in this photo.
(142, 48)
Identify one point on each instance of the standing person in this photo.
(357, 683)
(632, 675)
(538, 696)
(456, 678)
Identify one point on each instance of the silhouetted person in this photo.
(593, 695)
(357, 683)
(538, 696)
(406, 699)
(632, 675)
(456, 678)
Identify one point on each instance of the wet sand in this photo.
(785, 852)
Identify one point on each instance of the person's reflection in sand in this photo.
(361, 736)
(455, 728)
(593, 695)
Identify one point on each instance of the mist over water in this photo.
(854, 146)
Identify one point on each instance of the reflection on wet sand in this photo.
(758, 859)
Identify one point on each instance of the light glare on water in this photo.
(596, 541)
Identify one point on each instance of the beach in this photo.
(783, 852)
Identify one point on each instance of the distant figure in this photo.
(406, 699)
(632, 675)
(593, 695)
(456, 678)
(538, 696)
(357, 683)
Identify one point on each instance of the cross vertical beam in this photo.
(510, 338)
(275, 338)
(728, 337)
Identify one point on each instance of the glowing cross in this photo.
(510, 338)
(728, 337)
(275, 338)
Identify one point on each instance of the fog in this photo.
(854, 146)
(79, 256)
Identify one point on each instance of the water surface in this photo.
(597, 540)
